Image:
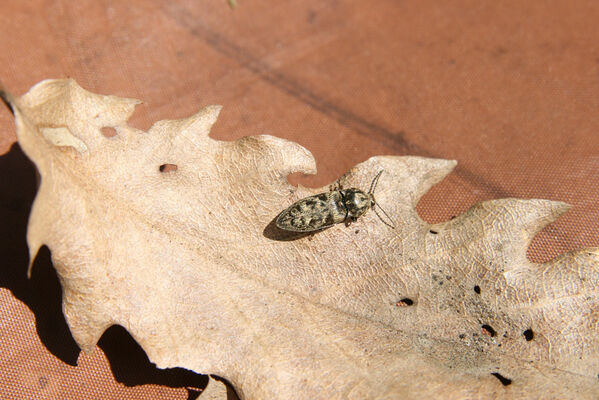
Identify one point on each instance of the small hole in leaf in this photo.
(477, 289)
(504, 381)
(433, 232)
(167, 167)
(488, 330)
(108, 131)
(528, 334)
(405, 302)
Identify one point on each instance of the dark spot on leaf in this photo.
(528, 334)
(462, 336)
(108, 131)
(167, 167)
(357, 231)
(488, 330)
(504, 381)
(477, 289)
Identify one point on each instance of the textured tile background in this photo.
(509, 89)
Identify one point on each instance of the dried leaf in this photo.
(214, 391)
(189, 261)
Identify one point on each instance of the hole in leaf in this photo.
(528, 334)
(504, 381)
(433, 232)
(168, 167)
(488, 330)
(108, 131)
(477, 289)
(405, 302)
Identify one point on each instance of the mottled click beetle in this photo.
(325, 209)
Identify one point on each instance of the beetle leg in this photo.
(350, 220)
(336, 186)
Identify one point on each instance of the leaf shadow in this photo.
(131, 366)
(42, 293)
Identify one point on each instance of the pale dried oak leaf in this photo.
(188, 260)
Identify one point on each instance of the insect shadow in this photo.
(273, 232)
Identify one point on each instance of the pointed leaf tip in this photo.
(203, 120)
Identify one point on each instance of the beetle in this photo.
(323, 210)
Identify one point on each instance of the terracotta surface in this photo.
(509, 89)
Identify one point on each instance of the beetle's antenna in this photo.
(390, 225)
(375, 182)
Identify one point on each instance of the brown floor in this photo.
(509, 89)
